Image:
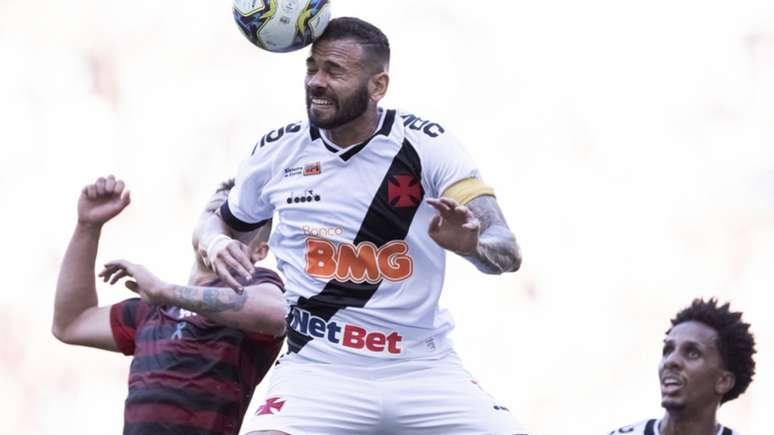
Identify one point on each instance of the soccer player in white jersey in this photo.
(707, 360)
(368, 201)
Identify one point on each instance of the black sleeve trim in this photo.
(649, 427)
(233, 222)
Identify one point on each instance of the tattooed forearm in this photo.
(497, 250)
(209, 299)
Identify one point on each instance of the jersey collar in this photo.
(345, 154)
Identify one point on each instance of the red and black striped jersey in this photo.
(189, 375)
(650, 427)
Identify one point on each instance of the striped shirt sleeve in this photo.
(125, 319)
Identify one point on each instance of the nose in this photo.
(316, 80)
(672, 360)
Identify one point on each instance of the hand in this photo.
(227, 256)
(454, 228)
(145, 284)
(101, 201)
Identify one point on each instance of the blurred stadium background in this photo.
(631, 146)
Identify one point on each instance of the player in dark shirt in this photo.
(199, 350)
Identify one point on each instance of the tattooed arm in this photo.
(497, 250)
(259, 308)
(477, 231)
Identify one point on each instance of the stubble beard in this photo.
(346, 111)
(673, 407)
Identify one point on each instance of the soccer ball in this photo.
(281, 25)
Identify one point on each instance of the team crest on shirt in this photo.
(272, 405)
(404, 191)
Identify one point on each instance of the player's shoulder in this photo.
(263, 275)
(293, 133)
(420, 129)
(645, 427)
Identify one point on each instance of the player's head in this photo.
(258, 245)
(707, 358)
(346, 72)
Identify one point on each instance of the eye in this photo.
(693, 353)
(666, 350)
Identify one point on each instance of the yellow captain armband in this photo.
(467, 189)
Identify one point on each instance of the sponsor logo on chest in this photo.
(345, 334)
(364, 262)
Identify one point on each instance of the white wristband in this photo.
(217, 243)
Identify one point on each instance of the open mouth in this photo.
(671, 384)
(320, 103)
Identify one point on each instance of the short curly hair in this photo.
(735, 341)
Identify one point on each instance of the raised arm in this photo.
(77, 317)
(477, 231)
(259, 308)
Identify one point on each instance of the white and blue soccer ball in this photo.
(281, 25)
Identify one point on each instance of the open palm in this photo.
(454, 227)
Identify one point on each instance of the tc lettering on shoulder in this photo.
(429, 128)
(344, 334)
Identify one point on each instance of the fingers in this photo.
(106, 273)
(126, 196)
(91, 191)
(451, 210)
(435, 224)
(225, 274)
(234, 257)
(100, 186)
(472, 225)
(437, 204)
(121, 274)
(104, 186)
(110, 185)
(115, 270)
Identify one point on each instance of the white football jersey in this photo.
(650, 427)
(363, 277)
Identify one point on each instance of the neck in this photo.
(201, 274)
(701, 422)
(356, 131)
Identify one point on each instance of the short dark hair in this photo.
(374, 41)
(220, 196)
(735, 341)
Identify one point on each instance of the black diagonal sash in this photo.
(383, 223)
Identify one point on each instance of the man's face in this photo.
(336, 83)
(690, 368)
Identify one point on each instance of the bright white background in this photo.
(631, 145)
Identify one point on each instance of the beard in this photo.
(346, 111)
(671, 406)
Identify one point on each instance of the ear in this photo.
(260, 251)
(725, 383)
(377, 85)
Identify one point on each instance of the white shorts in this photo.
(400, 398)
